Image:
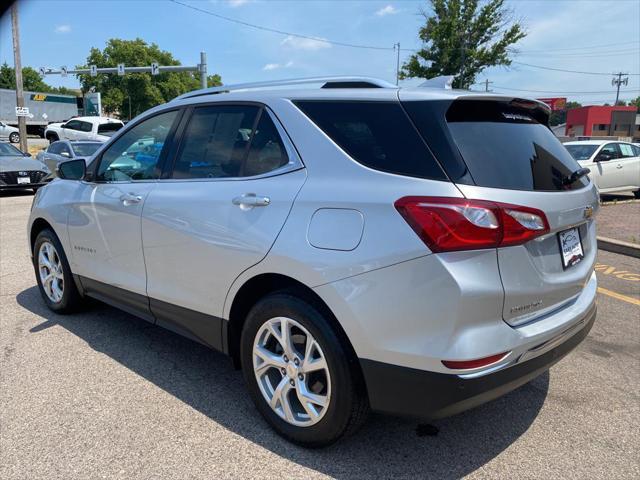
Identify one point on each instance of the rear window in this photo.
(376, 134)
(108, 129)
(85, 149)
(581, 152)
(507, 145)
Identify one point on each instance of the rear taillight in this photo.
(448, 224)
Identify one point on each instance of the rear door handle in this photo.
(250, 200)
(128, 199)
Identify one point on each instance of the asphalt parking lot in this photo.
(103, 395)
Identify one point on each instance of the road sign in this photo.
(121, 69)
(154, 69)
(94, 70)
(43, 71)
(63, 71)
(22, 112)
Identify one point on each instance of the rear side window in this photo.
(376, 134)
(108, 129)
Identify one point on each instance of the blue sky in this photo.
(564, 34)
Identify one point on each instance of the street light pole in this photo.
(203, 70)
(17, 63)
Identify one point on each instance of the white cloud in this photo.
(275, 66)
(62, 28)
(305, 43)
(388, 10)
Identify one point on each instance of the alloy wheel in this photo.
(291, 371)
(51, 273)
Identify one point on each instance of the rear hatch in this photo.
(500, 149)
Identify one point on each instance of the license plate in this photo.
(570, 247)
(22, 180)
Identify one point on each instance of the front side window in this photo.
(611, 149)
(85, 149)
(136, 154)
(55, 148)
(72, 125)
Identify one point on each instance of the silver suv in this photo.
(353, 247)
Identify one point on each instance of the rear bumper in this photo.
(430, 395)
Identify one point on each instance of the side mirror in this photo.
(72, 169)
(27, 154)
(603, 157)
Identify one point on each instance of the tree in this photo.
(134, 93)
(31, 81)
(635, 103)
(559, 117)
(462, 38)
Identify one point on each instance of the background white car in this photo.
(10, 133)
(615, 166)
(83, 128)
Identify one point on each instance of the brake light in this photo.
(450, 224)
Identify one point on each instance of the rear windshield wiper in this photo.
(575, 176)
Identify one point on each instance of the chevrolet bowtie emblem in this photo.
(588, 212)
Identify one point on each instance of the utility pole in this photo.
(616, 82)
(486, 85)
(17, 63)
(397, 46)
(203, 70)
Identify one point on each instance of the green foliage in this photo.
(140, 90)
(559, 117)
(31, 81)
(463, 38)
(635, 103)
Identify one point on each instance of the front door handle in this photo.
(250, 200)
(618, 166)
(130, 199)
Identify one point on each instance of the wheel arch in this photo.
(38, 225)
(262, 285)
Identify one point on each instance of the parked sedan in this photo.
(7, 132)
(63, 150)
(615, 166)
(19, 170)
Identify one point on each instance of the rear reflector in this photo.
(450, 224)
(468, 364)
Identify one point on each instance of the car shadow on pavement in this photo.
(206, 381)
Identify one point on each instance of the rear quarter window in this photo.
(378, 135)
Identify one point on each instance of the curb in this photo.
(618, 246)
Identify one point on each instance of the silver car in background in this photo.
(352, 247)
(18, 171)
(64, 150)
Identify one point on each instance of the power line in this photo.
(559, 92)
(566, 71)
(583, 47)
(281, 32)
(581, 55)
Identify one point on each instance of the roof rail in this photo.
(343, 81)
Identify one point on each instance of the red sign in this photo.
(555, 104)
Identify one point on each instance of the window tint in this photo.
(215, 142)
(508, 145)
(84, 126)
(55, 148)
(85, 149)
(267, 152)
(72, 125)
(108, 129)
(581, 152)
(376, 134)
(611, 149)
(135, 155)
(636, 150)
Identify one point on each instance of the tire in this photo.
(52, 137)
(70, 299)
(339, 384)
(14, 137)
